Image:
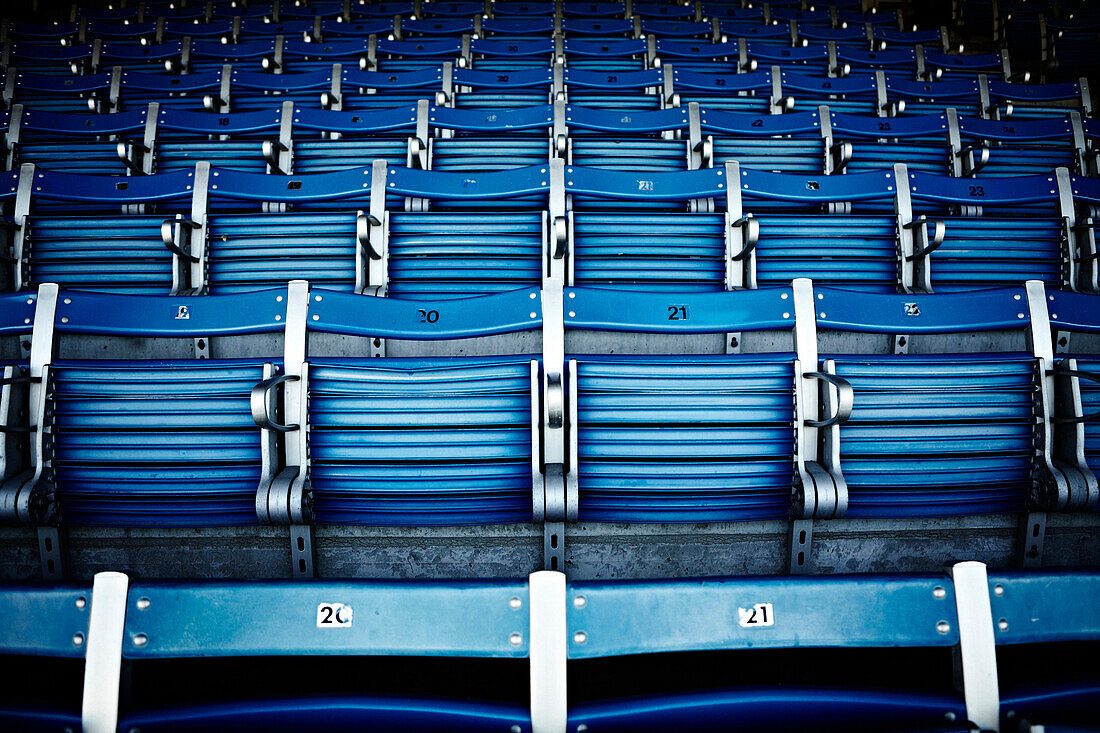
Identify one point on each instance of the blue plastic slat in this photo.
(729, 83)
(457, 619)
(235, 51)
(198, 81)
(482, 185)
(42, 30)
(932, 89)
(452, 9)
(361, 28)
(255, 27)
(439, 26)
(893, 57)
(521, 79)
(647, 186)
(261, 311)
(42, 620)
(130, 52)
(330, 49)
(692, 50)
(232, 184)
(518, 26)
(123, 189)
(401, 81)
(1017, 190)
(866, 126)
(22, 52)
(212, 123)
(610, 120)
(643, 617)
(912, 38)
(490, 120)
(595, 10)
(597, 26)
(1074, 311)
(17, 312)
(982, 310)
(773, 53)
(791, 187)
(815, 33)
(62, 84)
(605, 49)
(631, 311)
(1045, 607)
(365, 315)
(384, 9)
(858, 84)
(1052, 128)
(672, 28)
(199, 30)
(380, 120)
(742, 124)
(418, 49)
(748, 29)
(963, 62)
(69, 124)
(321, 79)
(614, 79)
(662, 10)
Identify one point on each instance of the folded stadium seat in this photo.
(499, 90)
(698, 29)
(1041, 616)
(852, 37)
(748, 92)
(977, 412)
(794, 226)
(615, 9)
(1066, 46)
(231, 140)
(1020, 147)
(458, 249)
(103, 249)
(670, 651)
(131, 55)
(166, 442)
(735, 12)
(893, 38)
(899, 61)
(812, 60)
(194, 92)
(506, 54)
(638, 421)
(76, 143)
(243, 56)
(45, 33)
(856, 94)
(358, 31)
(416, 29)
(702, 57)
(325, 235)
(417, 55)
(522, 9)
(435, 656)
(1030, 101)
(788, 143)
(367, 90)
(932, 97)
(618, 90)
(50, 59)
(423, 440)
(922, 142)
(662, 10)
(1006, 246)
(619, 215)
(610, 55)
(44, 637)
(731, 29)
(305, 56)
(324, 141)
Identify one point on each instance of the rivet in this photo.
(1016, 296)
(533, 314)
(515, 603)
(317, 298)
(949, 715)
(78, 639)
(140, 640)
(516, 638)
(1019, 315)
(67, 301)
(533, 295)
(943, 627)
(580, 637)
(580, 602)
(81, 602)
(278, 318)
(939, 592)
(64, 319)
(786, 315)
(1002, 625)
(998, 590)
(316, 317)
(582, 728)
(783, 296)
(516, 729)
(278, 299)
(142, 604)
(572, 314)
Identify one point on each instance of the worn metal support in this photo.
(558, 506)
(103, 653)
(976, 655)
(548, 645)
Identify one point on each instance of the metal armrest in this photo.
(841, 154)
(268, 64)
(1090, 376)
(560, 232)
(363, 223)
(749, 66)
(258, 403)
(270, 150)
(976, 163)
(123, 149)
(841, 70)
(750, 232)
(939, 231)
(24, 379)
(416, 147)
(705, 148)
(845, 399)
(166, 236)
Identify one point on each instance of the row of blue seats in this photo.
(982, 619)
(829, 13)
(497, 231)
(770, 91)
(555, 436)
(294, 139)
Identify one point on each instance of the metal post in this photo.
(103, 653)
(548, 644)
(977, 654)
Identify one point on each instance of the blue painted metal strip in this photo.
(749, 125)
(63, 84)
(512, 48)
(366, 315)
(1074, 311)
(491, 120)
(614, 79)
(401, 81)
(17, 312)
(865, 126)
(459, 619)
(756, 80)
(932, 89)
(1034, 92)
(1044, 607)
(1052, 128)
(69, 124)
(42, 620)
(859, 83)
(380, 120)
(522, 79)
(983, 310)
(693, 615)
(122, 189)
(1016, 190)
(632, 311)
(610, 120)
(524, 181)
(791, 187)
(211, 123)
(321, 79)
(648, 186)
(353, 183)
(198, 81)
(260, 311)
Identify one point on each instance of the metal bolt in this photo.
(516, 729)
(140, 639)
(516, 638)
(81, 603)
(572, 314)
(580, 602)
(68, 300)
(78, 639)
(949, 715)
(582, 728)
(580, 637)
(998, 590)
(943, 627)
(142, 604)
(939, 592)
(515, 603)
(1002, 625)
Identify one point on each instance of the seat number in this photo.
(333, 615)
(677, 313)
(424, 316)
(760, 614)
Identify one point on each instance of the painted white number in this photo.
(759, 615)
(333, 615)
